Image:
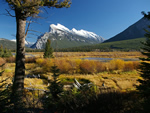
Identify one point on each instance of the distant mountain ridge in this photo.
(27, 43)
(62, 37)
(134, 31)
(123, 45)
(7, 43)
(11, 44)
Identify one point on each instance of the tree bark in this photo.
(18, 84)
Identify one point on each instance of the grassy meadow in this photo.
(113, 88)
(118, 74)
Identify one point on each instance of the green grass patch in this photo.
(66, 81)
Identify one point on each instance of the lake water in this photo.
(30, 55)
(108, 59)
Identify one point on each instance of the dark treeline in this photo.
(81, 49)
(85, 49)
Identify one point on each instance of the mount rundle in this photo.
(62, 37)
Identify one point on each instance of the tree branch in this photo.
(8, 12)
(33, 34)
(36, 31)
(29, 23)
(28, 27)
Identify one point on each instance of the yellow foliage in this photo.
(87, 67)
(47, 65)
(100, 66)
(116, 64)
(73, 66)
(129, 66)
(78, 62)
(39, 61)
(64, 66)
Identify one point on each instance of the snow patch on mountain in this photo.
(61, 30)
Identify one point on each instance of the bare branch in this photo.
(29, 23)
(28, 27)
(31, 37)
(13, 35)
(8, 12)
(36, 22)
(33, 34)
(45, 10)
(36, 31)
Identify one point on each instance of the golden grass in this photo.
(116, 78)
(92, 54)
(121, 81)
(99, 54)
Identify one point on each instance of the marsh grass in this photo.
(127, 79)
(118, 75)
(91, 54)
(74, 66)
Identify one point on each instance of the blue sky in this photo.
(103, 17)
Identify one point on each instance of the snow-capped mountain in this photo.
(62, 37)
(60, 29)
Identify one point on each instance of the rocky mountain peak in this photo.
(63, 35)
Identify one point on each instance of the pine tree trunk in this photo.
(18, 84)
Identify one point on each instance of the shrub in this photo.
(117, 64)
(64, 66)
(78, 62)
(2, 61)
(31, 60)
(87, 67)
(136, 64)
(47, 64)
(100, 66)
(40, 61)
(91, 100)
(128, 66)
(11, 60)
(72, 66)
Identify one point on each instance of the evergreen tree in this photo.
(9, 53)
(6, 53)
(55, 88)
(48, 50)
(25, 9)
(144, 87)
(1, 51)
